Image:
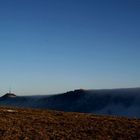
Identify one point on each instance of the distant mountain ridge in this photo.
(120, 102)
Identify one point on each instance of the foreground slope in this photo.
(27, 124)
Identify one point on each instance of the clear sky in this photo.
(51, 46)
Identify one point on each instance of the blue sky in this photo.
(51, 46)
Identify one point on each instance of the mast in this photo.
(10, 90)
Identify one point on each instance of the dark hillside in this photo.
(119, 102)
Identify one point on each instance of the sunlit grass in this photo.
(27, 124)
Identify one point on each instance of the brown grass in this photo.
(29, 124)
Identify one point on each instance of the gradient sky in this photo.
(51, 46)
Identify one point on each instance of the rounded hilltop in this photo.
(9, 95)
(77, 91)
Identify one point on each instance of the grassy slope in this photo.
(27, 124)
